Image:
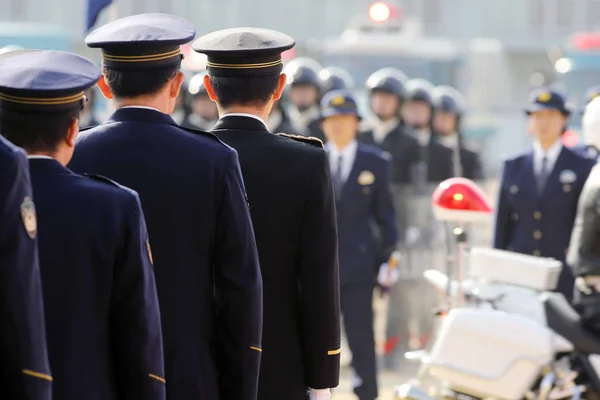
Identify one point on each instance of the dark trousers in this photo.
(357, 309)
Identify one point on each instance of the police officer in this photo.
(101, 308)
(191, 188)
(387, 92)
(303, 91)
(331, 78)
(204, 113)
(418, 114)
(361, 180)
(584, 256)
(24, 358)
(449, 106)
(540, 188)
(291, 202)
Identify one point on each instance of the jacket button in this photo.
(537, 235)
(515, 216)
(537, 215)
(537, 253)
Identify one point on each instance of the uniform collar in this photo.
(347, 151)
(39, 157)
(141, 114)
(247, 116)
(551, 154)
(240, 122)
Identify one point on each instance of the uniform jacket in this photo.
(438, 159)
(25, 372)
(314, 129)
(100, 302)
(471, 163)
(205, 258)
(530, 223)
(291, 202)
(365, 201)
(404, 149)
(584, 249)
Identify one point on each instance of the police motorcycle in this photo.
(513, 338)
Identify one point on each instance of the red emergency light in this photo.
(570, 138)
(461, 200)
(586, 41)
(379, 12)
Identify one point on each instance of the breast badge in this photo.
(513, 189)
(29, 217)
(567, 176)
(366, 178)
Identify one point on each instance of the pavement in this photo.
(388, 380)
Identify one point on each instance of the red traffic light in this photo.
(461, 200)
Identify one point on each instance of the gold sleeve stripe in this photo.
(158, 378)
(334, 352)
(256, 348)
(245, 66)
(37, 375)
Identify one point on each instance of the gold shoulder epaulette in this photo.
(305, 139)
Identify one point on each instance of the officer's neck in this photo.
(162, 103)
(260, 112)
(545, 144)
(62, 155)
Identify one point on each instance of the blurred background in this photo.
(493, 51)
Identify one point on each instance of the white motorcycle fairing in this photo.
(490, 353)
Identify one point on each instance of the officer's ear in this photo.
(280, 87)
(104, 88)
(176, 83)
(209, 89)
(72, 132)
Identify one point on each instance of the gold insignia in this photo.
(513, 189)
(567, 188)
(338, 101)
(366, 178)
(29, 217)
(594, 95)
(544, 97)
(149, 250)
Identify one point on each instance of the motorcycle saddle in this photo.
(564, 320)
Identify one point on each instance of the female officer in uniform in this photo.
(540, 188)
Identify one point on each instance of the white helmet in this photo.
(591, 123)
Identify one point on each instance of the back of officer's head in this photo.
(244, 67)
(141, 58)
(41, 96)
(591, 123)
(256, 92)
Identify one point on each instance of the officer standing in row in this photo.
(102, 316)
(449, 107)
(193, 196)
(293, 213)
(418, 114)
(25, 368)
(584, 249)
(539, 189)
(387, 93)
(204, 113)
(361, 180)
(303, 92)
(279, 121)
(335, 78)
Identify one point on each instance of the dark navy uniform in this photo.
(363, 200)
(403, 146)
(191, 188)
(465, 158)
(540, 223)
(436, 156)
(103, 322)
(293, 213)
(23, 355)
